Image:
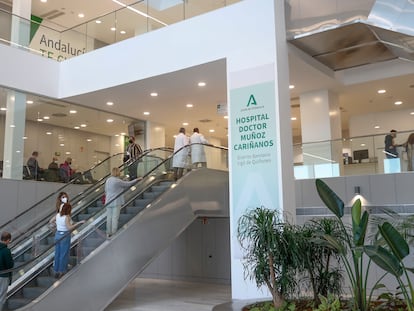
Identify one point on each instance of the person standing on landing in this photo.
(198, 155)
(133, 153)
(114, 186)
(180, 153)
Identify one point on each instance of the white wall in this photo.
(83, 153)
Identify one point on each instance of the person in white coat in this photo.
(198, 155)
(180, 156)
(114, 186)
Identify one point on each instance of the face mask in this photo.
(64, 200)
(130, 141)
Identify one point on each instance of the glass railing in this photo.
(49, 40)
(86, 204)
(87, 237)
(363, 155)
(23, 225)
(304, 16)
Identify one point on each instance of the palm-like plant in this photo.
(320, 261)
(270, 253)
(350, 242)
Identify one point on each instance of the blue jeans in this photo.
(62, 249)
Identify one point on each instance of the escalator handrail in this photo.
(52, 194)
(36, 226)
(102, 219)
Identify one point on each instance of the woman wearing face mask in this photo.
(61, 199)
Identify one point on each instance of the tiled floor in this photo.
(158, 295)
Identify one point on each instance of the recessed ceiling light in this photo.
(3, 109)
(146, 113)
(123, 134)
(24, 137)
(67, 152)
(211, 131)
(110, 103)
(39, 119)
(46, 117)
(381, 91)
(98, 21)
(48, 133)
(113, 28)
(122, 32)
(44, 1)
(29, 102)
(201, 83)
(398, 102)
(62, 145)
(12, 125)
(189, 105)
(412, 112)
(376, 127)
(116, 145)
(293, 118)
(81, 15)
(109, 120)
(72, 111)
(363, 145)
(185, 123)
(154, 94)
(88, 139)
(116, 135)
(76, 127)
(291, 86)
(83, 125)
(226, 117)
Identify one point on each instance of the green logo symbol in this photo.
(252, 101)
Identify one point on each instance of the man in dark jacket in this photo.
(6, 262)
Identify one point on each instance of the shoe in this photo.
(58, 275)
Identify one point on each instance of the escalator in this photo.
(156, 211)
(31, 237)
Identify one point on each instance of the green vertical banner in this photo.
(34, 25)
(254, 161)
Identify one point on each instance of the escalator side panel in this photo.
(98, 280)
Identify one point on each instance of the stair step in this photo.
(16, 303)
(159, 188)
(142, 202)
(45, 281)
(134, 210)
(94, 210)
(151, 195)
(33, 292)
(83, 216)
(92, 242)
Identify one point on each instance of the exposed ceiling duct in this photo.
(387, 33)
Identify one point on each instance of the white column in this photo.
(13, 135)
(16, 101)
(20, 33)
(321, 132)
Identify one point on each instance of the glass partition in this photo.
(363, 155)
(128, 21)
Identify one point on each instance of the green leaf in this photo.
(384, 259)
(334, 243)
(395, 241)
(356, 214)
(361, 230)
(331, 200)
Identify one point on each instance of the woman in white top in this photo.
(62, 238)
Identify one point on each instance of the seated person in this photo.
(52, 172)
(67, 173)
(33, 165)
